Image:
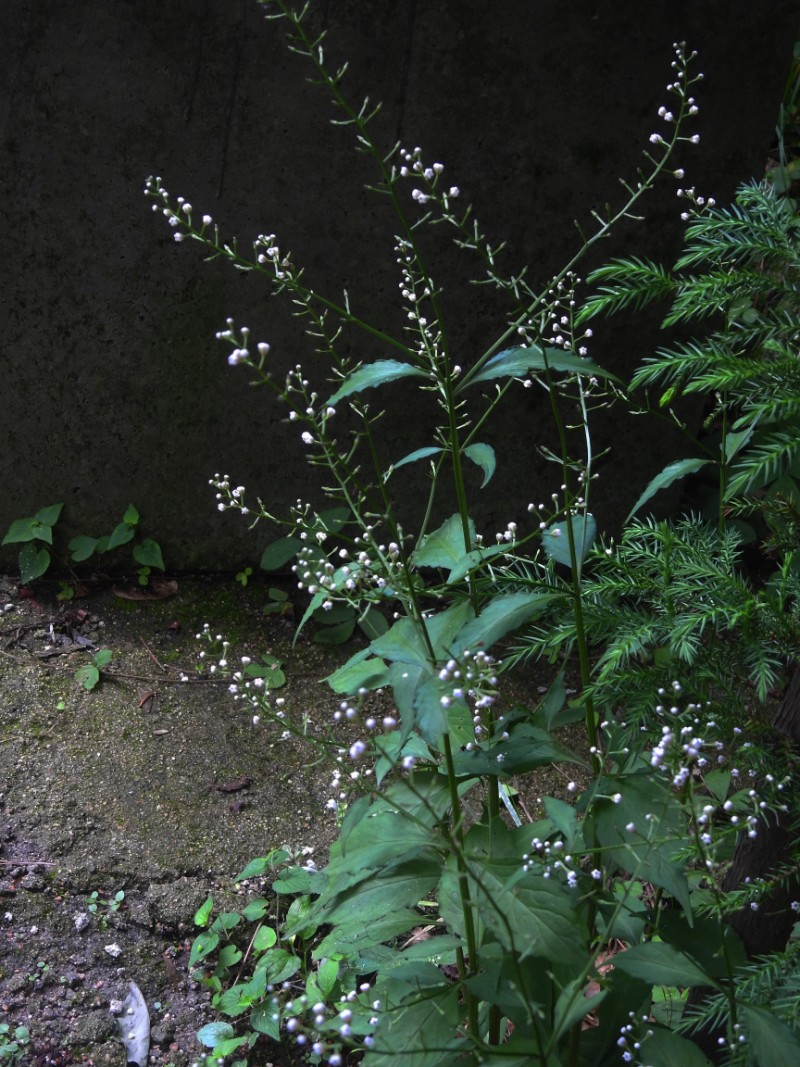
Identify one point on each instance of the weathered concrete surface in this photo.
(114, 388)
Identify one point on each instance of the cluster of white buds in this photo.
(428, 178)
(548, 858)
(268, 254)
(697, 204)
(239, 339)
(366, 567)
(632, 1036)
(229, 497)
(179, 217)
(689, 749)
(322, 1029)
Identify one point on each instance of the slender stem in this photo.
(468, 966)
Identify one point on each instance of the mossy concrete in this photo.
(114, 389)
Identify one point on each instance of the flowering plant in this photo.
(435, 933)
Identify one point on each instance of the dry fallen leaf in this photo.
(234, 785)
(156, 589)
(146, 698)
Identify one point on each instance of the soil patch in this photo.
(149, 785)
(155, 785)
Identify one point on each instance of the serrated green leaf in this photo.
(519, 362)
(120, 535)
(555, 539)
(773, 1044)
(659, 963)
(443, 547)
(501, 616)
(360, 670)
(431, 717)
(372, 375)
(335, 614)
(33, 562)
(483, 456)
(563, 817)
(102, 658)
(525, 748)
(642, 800)
(420, 1032)
(531, 916)
(470, 561)
(665, 1048)
(279, 553)
(148, 553)
(316, 601)
(673, 472)
(402, 643)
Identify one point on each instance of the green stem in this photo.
(464, 968)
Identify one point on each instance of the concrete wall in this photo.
(114, 387)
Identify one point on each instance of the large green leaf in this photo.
(402, 643)
(82, 547)
(555, 538)
(27, 530)
(120, 535)
(673, 472)
(642, 801)
(445, 546)
(211, 1034)
(49, 516)
(483, 456)
(665, 1048)
(33, 562)
(501, 615)
(384, 893)
(525, 748)
(279, 553)
(148, 553)
(374, 374)
(531, 916)
(361, 670)
(470, 561)
(772, 1042)
(519, 362)
(423, 1032)
(658, 963)
(433, 718)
